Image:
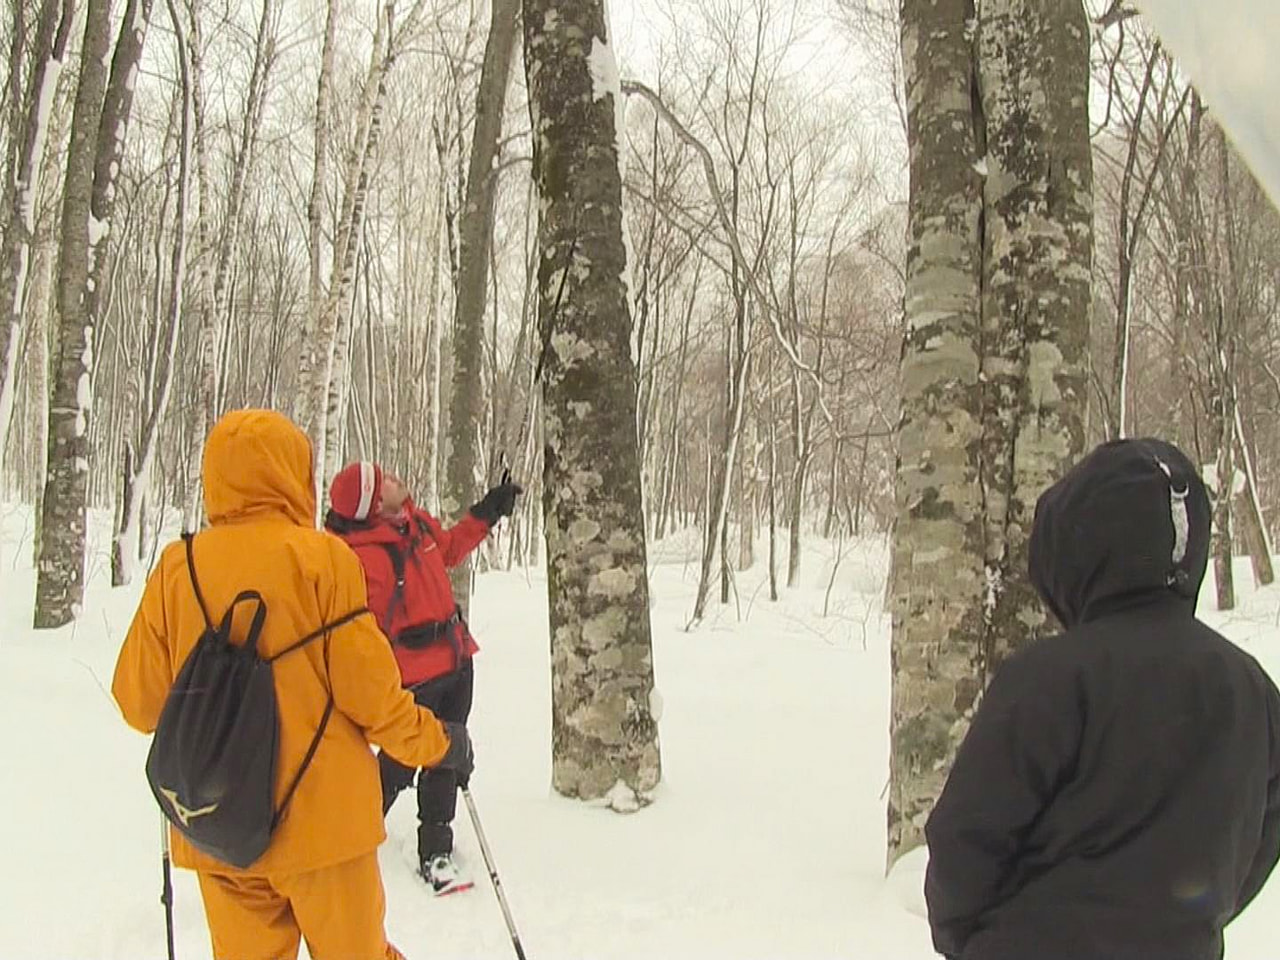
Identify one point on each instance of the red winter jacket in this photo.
(426, 599)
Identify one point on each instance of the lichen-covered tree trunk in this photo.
(475, 242)
(1037, 268)
(604, 712)
(993, 369)
(100, 120)
(937, 547)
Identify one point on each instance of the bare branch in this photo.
(635, 88)
(1116, 13)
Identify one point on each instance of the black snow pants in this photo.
(449, 698)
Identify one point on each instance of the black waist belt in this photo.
(424, 635)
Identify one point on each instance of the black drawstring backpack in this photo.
(212, 764)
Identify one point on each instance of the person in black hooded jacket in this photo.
(1118, 794)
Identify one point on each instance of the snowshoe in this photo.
(443, 876)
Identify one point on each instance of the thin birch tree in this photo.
(48, 56)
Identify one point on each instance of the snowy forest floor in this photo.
(766, 839)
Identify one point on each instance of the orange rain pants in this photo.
(338, 909)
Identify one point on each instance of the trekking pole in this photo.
(493, 873)
(166, 890)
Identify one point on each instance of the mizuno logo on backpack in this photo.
(183, 813)
(212, 764)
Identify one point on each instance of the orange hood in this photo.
(257, 463)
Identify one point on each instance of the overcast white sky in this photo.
(1231, 50)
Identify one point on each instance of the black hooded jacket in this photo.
(1118, 794)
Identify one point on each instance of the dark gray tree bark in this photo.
(993, 387)
(475, 243)
(1037, 299)
(99, 123)
(604, 722)
(937, 579)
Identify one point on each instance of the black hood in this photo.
(1128, 523)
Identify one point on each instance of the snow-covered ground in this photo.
(766, 840)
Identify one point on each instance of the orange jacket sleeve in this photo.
(366, 680)
(144, 673)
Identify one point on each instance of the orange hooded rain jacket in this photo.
(260, 499)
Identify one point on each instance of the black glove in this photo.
(459, 757)
(499, 501)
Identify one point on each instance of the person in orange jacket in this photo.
(319, 877)
(406, 554)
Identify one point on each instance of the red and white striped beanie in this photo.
(356, 490)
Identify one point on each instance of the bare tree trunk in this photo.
(313, 410)
(434, 372)
(475, 243)
(799, 478)
(938, 580)
(11, 122)
(99, 123)
(201, 412)
(718, 494)
(604, 731)
(23, 191)
(310, 356)
(212, 285)
(1221, 546)
(37, 371)
(1130, 232)
(127, 539)
(997, 308)
(40, 306)
(1224, 346)
(748, 486)
(342, 297)
(1249, 510)
(773, 487)
(1188, 229)
(682, 356)
(1037, 297)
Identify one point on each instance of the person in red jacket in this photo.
(406, 554)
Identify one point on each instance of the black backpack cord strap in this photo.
(398, 561)
(315, 741)
(397, 592)
(325, 631)
(188, 538)
(315, 635)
